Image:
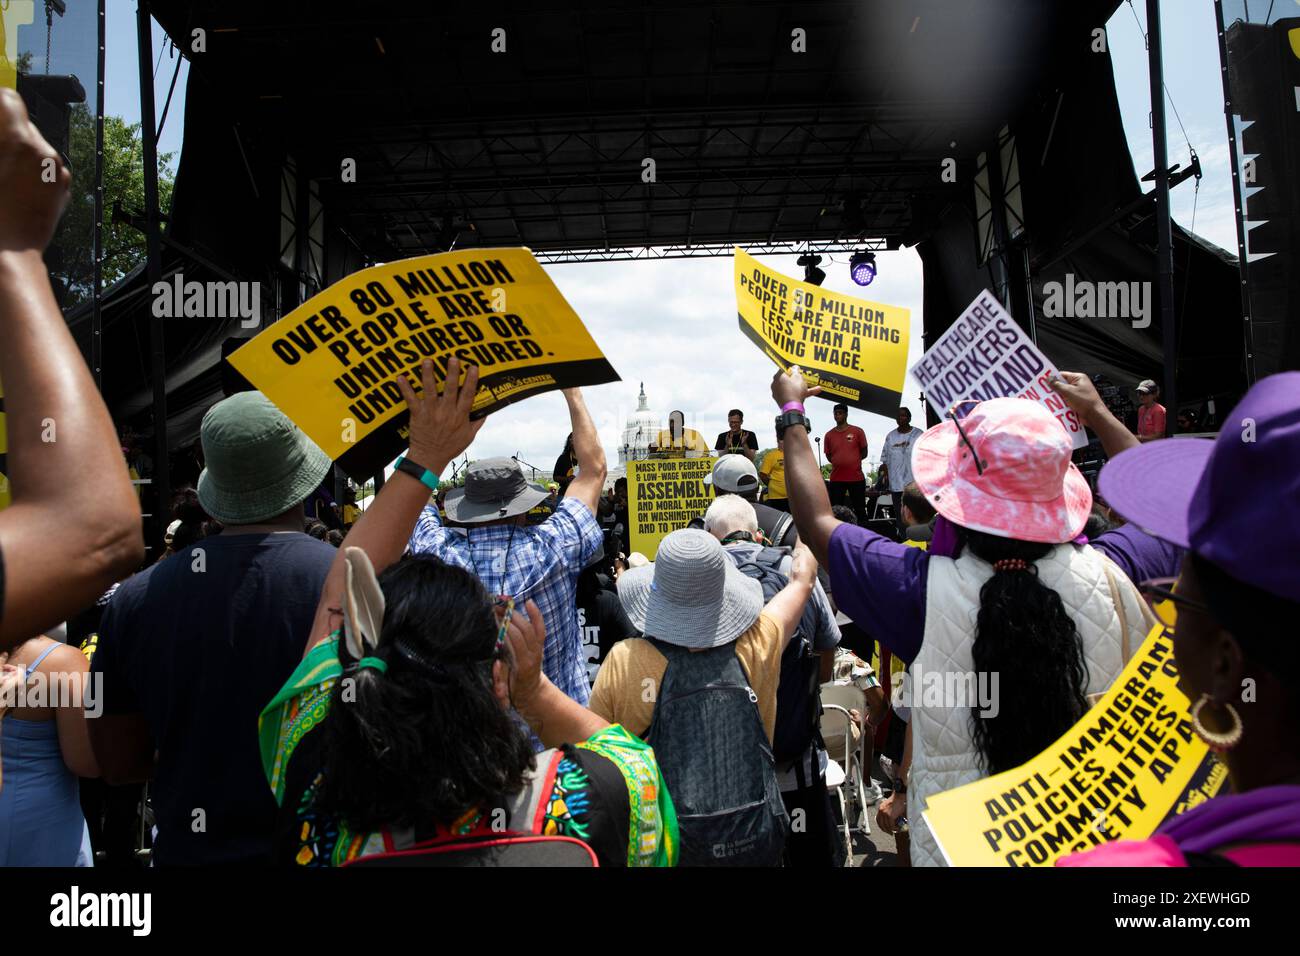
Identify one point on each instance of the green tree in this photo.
(70, 258)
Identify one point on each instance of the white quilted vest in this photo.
(944, 754)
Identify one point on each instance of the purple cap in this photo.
(1215, 497)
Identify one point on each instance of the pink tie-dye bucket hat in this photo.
(1003, 467)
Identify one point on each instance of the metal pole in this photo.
(152, 224)
(1164, 223)
(1001, 240)
(1239, 202)
(96, 318)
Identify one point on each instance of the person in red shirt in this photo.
(1151, 414)
(846, 447)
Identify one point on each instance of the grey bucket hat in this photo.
(494, 489)
(698, 598)
(634, 593)
(259, 463)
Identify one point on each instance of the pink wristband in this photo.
(792, 407)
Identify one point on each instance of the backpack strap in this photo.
(1117, 598)
(782, 526)
(525, 808)
(670, 651)
(774, 556)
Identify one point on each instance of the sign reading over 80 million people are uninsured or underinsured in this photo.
(1131, 762)
(663, 495)
(854, 349)
(331, 363)
(984, 355)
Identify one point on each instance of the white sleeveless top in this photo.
(944, 754)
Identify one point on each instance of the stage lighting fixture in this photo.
(862, 267)
(811, 273)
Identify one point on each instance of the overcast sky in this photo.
(672, 323)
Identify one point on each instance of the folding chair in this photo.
(847, 764)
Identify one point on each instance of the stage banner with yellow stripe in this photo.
(331, 363)
(664, 495)
(1132, 762)
(854, 349)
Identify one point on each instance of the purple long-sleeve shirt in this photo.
(881, 584)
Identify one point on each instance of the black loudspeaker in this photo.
(232, 380)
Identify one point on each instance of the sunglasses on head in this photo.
(957, 412)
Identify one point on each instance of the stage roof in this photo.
(544, 144)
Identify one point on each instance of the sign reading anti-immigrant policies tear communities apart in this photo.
(331, 364)
(663, 495)
(854, 349)
(1132, 761)
(984, 355)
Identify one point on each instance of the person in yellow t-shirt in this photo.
(678, 441)
(773, 475)
(699, 600)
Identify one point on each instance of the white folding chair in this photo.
(837, 702)
(836, 720)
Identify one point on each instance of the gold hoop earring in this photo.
(1218, 742)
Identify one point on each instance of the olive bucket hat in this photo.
(259, 463)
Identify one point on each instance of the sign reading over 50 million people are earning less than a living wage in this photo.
(331, 363)
(854, 349)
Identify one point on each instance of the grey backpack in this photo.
(716, 760)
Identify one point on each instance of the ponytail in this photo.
(1024, 634)
(424, 739)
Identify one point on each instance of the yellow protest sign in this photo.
(1131, 762)
(331, 363)
(663, 495)
(854, 349)
(13, 14)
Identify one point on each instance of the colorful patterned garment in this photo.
(577, 795)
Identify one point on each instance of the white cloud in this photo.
(671, 323)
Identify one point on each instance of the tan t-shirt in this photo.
(633, 670)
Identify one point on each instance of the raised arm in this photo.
(586, 487)
(555, 717)
(786, 607)
(440, 430)
(65, 463)
(1081, 395)
(804, 487)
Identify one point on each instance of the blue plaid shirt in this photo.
(545, 560)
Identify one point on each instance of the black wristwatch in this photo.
(792, 417)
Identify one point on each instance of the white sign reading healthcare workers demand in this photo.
(986, 355)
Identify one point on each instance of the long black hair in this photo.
(427, 740)
(1024, 634)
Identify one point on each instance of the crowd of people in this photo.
(423, 690)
